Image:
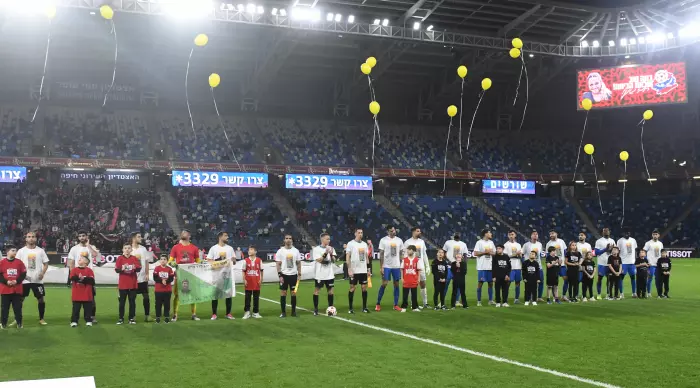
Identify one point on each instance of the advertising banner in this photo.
(491, 186)
(11, 174)
(328, 182)
(219, 179)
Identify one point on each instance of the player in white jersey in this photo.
(324, 271)
(484, 251)
(560, 246)
(535, 246)
(583, 248)
(390, 255)
(288, 262)
(628, 254)
(144, 257)
(422, 253)
(513, 249)
(653, 248)
(453, 248)
(89, 252)
(220, 252)
(356, 255)
(37, 263)
(603, 248)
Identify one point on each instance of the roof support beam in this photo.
(593, 27)
(411, 11)
(666, 16)
(605, 26)
(617, 25)
(543, 15)
(643, 20)
(505, 29)
(570, 34)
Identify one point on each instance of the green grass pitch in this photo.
(626, 343)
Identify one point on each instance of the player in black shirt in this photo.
(459, 273)
(663, 274)
(573, 264)
(500, 266)
(531, 276)
(588, 270)
(553, 265)
(615, 269)
(439, 268)
(642, 264)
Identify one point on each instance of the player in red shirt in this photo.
(184, 252)
(128, 268)
(252, 277)
(411, 267)
(83, 281)
(163, 276)
(12, 274)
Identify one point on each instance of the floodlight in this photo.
(416, 25)
(351, 19)
(385, 22)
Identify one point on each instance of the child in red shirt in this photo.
(83, 282)
(163, 276)
(12, 274)
(252, 276)
(411, 267)
(127, 267)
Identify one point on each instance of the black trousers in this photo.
(459, 283)
(572, 277)
(531, 290)
(614, 285)
(641, 283)
(215, 306)
(587, 284)
(14, 300)
(414, 298)
(255, 295)
(502, 287)
(131, 294)
(163, 304)
(87, 311)
(662, 283)
(439, 290)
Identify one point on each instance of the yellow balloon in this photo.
(374, 107)
(214, 80)
(50, 11)
(587, 104)
(486, 83)
(624, 155)
(648, 114)
(589, 149)
(517, 43)
(462, 71)
(201, 40)
(371, 61)
(365, 68)
(514, 53)
(107, 12)
(452, 111)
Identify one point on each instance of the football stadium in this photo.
(296, 193)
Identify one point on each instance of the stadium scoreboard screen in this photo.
(218, 179)
(508, 187)
(633, 85)
(328, 182)
(12, 174)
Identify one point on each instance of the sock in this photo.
(229, 305)
(490, 291)
(294, 303)
(381, 294)
(350, 297)
(396, 296)
(424, 294)
(147, 304)
(330, 300)
(364, 300)
(517, 292)
(621, 283)
(540, 290)
(315, 302)
(478, 294)
(599, 286)
(633, 280)
(42, 309)
(649, 285)
(283, 304)
(566, 288)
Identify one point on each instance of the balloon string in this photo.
(595, 170)
(474, 117)
(519, 78)
(43, 75)
(375, 130)
(527, 91)
(624, 187)
(223, 127)
(116, 53)
(444, 168)
(644, 156)
(187, 95)
(580, 143)
(373, 97)
(461, 101)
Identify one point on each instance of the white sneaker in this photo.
(458, 304)
(246, 315)
(599, 298)
(478, 304)
(592, 299)
(256, 315)
(89, 324)
(491, 303)
(213, 317)
(517, 301)
(527, 303)
(505, 305)
(622, 296)
(416, 310)
(74, 324)
(13, 323)
(585, 300)
(403, 310)
(498, 305)
(195, 318)
(534, 303)
(565, 299)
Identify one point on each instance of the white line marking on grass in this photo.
(468, 351)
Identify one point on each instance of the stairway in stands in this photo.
(288, 210)
(493, 212)
(168, 206)
(396, 213)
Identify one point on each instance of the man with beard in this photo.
(37, 263)
(628, 253)
(184, 252)
(422, 254)
(603, 249)
(535, 246)
(89, 252)
(219, 252)
(144, 257)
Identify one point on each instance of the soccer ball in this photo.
(331, 312)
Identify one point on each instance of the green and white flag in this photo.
(197, 283)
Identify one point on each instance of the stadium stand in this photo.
(15, 216)
(15, 131)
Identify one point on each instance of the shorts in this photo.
(603, 270)
(142, 288)
(392, 272)
(358, 278)
(422, 277)
(552, 281)
(485, 276)
(37, 288)
(652, 271)
(288, 281)
(562, 271)
(516, 275)
(329, 283)
(629, 269)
